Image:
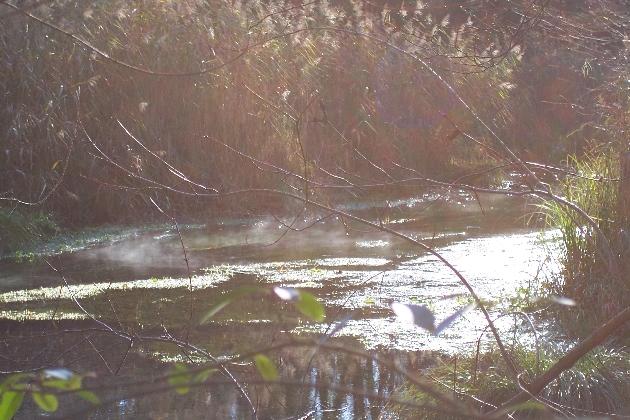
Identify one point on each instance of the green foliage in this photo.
(597, 382)
(310, 307)
(47, 402)
(585, 276)
(180, 378)
(89, 396)
(10, 403)
(43, 388)
(203, 375)
(18, 229)
(305, 302)
(266, 367)
(12, 392)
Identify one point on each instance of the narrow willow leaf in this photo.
(311, 307)
(419, 315)
(266, 368)
(203, 376)
(182, 390)
(180, 379)
(71, 384)
(227, 299)
(56, 384)
(47, 402)
(10, 403)
(89, 396)
(215, 310)
(11, 380)
(75, 382)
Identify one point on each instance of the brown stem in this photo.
(566, 362)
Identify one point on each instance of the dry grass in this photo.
(349, 94)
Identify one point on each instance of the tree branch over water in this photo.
(289, 109)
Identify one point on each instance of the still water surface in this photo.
(139, 284)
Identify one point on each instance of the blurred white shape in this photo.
(419, 315)
(563, 300)
(286, 293)
(59, 373)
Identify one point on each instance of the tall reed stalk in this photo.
(585, 276)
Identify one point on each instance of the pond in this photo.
(139, 284)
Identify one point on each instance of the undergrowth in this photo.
(596, 383)
(586, 277)
(19, 229)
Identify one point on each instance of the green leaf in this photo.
(10, 404)
(71, 384)
(11, 380)
(89, 396)
(180, 379)
(229, 298)
(203, 376)
(55, 383)
(47, 402)
(266, 368)
(311, 307)
(215, 310)
(75, 383)
(182, 390)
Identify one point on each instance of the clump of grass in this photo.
(586, 278)
(18, 229)
(598, 382)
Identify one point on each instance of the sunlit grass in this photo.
(598, 382)
(586, 278)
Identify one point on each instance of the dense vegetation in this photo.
(266, 85)
(129, 112)
(585, 262)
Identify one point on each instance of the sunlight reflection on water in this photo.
(497, 267)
